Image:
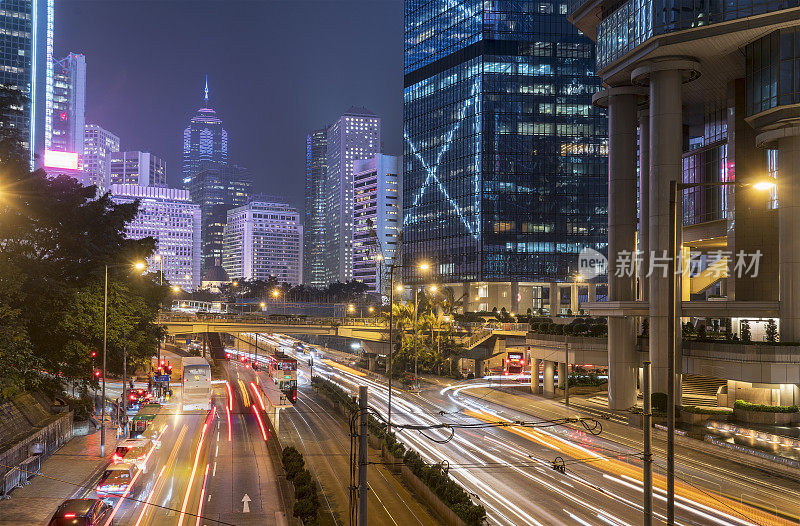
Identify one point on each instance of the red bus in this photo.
(283, 371)
(515, 363)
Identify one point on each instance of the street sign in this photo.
(161, 378)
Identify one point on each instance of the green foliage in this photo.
(292, 461)
(586, 380)
(741, 404)
(772, 331)
(306, 505)
(745, 332)
(706, 410)
(82, 407)
(658, 401)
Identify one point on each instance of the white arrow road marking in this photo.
(246, 502)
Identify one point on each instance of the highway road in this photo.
(510, 469)
(205, 466)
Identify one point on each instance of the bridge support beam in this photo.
(536, 365)
(548, 378)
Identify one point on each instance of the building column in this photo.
(515, 297)
(465, 302)
(536, 365)
(592, 292)
(665, 78)
(548, 378)
(573, 299)
(644, 202)
(788, 189)
(622, 122)
(555, 299)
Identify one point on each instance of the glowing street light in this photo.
(176, 289)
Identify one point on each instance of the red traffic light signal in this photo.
(97, 374)
(94, 353)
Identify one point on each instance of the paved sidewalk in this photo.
(66, 473)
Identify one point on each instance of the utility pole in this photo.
(416, 351)
(362, 456)
(566, 372)
(124, 389)
(647, 472)
(391, 345)
(672, 264)
(103, 400)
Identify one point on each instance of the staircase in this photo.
(709, 276)
(700, 390)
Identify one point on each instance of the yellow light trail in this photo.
(708, 499)
(343, 367)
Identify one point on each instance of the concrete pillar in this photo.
(536, 365)
(548, 378)
(644, 202)
(562, 375)
(592, 292)
(665, 78)
(515, 297)
(467, 297)
(555, 299)
(622, 122)
(788, 188)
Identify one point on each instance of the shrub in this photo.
(772, 331)
(741, 404)
(706, 410)
(292, 462)
(598, 329)
(82, 407)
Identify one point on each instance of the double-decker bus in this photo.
(196, 392)
(283, 371)
(515, 363)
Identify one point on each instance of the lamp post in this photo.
(424, 268)
(675, 229)
(160, 260)
(138, 266)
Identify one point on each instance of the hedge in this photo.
(453, 495)
(741, 404)
(705, 410)
(306, 504)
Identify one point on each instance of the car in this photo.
(116, 480)
(134, 451)
(81, 512)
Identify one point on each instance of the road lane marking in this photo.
(202, 494)
(150, 496)
(246, 504)
(214, 473)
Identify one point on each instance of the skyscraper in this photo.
(217, 188)
(69, 105)
(314, 224)
(504, 155)
(142, 168)
(26, 65)
(264, 238)
(98, 145)
(168, 216)
(203, 140)
(377, 216)
(355, 135)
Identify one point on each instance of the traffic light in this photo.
(97, 373)
(169, 368)
(94, 353)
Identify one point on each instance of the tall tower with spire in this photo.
(203, 140)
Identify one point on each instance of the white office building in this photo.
(264, 238)
(141, 168)
(68, 120)
(354, 135)
(98, 146)
(377, 206)
(169, 216)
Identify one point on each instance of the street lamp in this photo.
(424, 267)
(675, 188)
(176, 289)
(160, 260)
(139, 265)
(275, 294)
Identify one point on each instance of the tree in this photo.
(772, 331)
(745, 330)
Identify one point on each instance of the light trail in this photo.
(230, 396)
(258, 395)
(228, 414)
(260, 423)
(202, 498)
(194, 471)
(150, 496)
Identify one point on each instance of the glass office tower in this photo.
(315, 212)
(505, 167)
(204, 140)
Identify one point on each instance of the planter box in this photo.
(761, 417)
(394, 464)
(637, 420)
(701, 418)
(445, 514)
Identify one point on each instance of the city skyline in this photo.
(265, 135)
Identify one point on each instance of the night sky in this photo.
(276, 70)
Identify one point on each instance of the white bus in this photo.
(196, 391)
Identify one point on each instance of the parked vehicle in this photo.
(116, 480)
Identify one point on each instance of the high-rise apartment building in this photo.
(217, 188)
(377, 217)
(355, 135)
(704, 94)
(68, 117)
(168, 216)
(26, 65)
(264, 239)
(315, 212)
(142, 168)
(203, 140)
(504, 154)
(98, 146)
